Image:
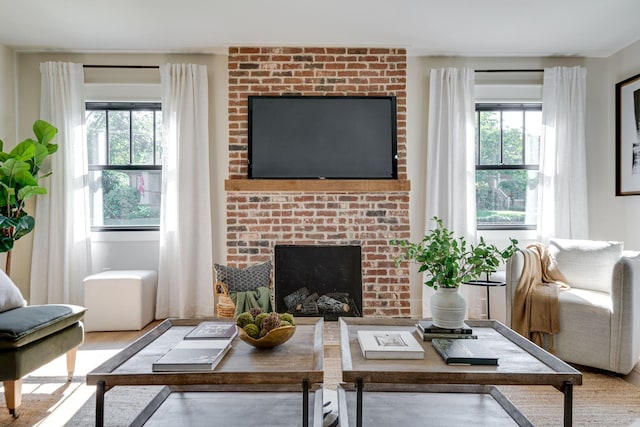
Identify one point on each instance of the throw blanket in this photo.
(535, 303)
(247, 300)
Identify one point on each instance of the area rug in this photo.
(603, 399)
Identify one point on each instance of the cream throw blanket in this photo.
(535, 304)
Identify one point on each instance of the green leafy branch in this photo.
(451, 261)
(19, 176)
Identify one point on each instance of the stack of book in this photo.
(201, 350)
(428, 331)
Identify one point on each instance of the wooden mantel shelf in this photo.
(311, 185)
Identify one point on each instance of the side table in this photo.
(487, 284)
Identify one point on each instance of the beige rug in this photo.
(602, 400)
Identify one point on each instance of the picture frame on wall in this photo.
(628, 137)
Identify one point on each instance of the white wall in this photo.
(7, 105)
(610, 217)
(127, 250)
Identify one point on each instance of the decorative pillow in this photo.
(587, 264)
(10, 296)
(244, 279)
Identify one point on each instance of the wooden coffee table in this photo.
(520, 362)
(295, 365)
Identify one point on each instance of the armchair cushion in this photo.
(586, 264)
(24, 325)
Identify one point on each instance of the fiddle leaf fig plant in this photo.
(451, 261)
(19, 176)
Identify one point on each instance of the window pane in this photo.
(96, 137)
(119, 138)
(142, 143)
(512, 137)
(125, 198)
(533, 120)
(489, 137)
(506, 197)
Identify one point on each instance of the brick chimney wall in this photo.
(257, 220)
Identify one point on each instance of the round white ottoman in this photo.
(120, 300)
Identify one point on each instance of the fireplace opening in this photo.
(323, 281)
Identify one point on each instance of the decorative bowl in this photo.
(272, 339)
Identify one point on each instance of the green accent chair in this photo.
(31, 337)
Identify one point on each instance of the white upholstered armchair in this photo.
(600, 313)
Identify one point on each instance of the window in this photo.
(125, 164)
(507, 157)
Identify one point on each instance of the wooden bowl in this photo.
(273, 338)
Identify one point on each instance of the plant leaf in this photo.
(44, 131)
(19, 171)
(24, 151)
(41, 153)
(25, 193)
(6, 243)
(24, 226)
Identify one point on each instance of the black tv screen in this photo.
(334, 137)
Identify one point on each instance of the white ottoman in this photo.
(120, 300)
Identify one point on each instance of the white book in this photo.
(389, 345)
(193, 355)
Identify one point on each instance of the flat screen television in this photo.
(317, 137)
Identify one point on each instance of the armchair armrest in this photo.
(513, 271)
(625, 319)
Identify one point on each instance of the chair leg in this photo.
(13, 395)
(71, 363)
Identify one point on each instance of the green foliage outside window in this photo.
(125, 152)
(507, 146)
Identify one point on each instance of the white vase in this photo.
(448, 308)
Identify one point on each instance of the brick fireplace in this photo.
(368, 213)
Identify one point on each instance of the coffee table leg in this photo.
(567, 389)
(100, 404)
(305, 403)
(359, 387)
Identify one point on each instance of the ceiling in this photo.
(424, 27)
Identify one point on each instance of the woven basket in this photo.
(225, 307)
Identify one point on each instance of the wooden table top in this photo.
(520, 361)
(300, 358)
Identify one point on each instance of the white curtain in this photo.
(185, 277)
(61, 256)
(563, 186)
(450, 161)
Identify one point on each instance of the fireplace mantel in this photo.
(314, 185)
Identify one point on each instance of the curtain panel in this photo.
(61, 257)
(562, 202)
(450, 174)
(185, 276)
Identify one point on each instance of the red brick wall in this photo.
(256, 222)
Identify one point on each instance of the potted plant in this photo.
(19, 175)
(449, 262)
